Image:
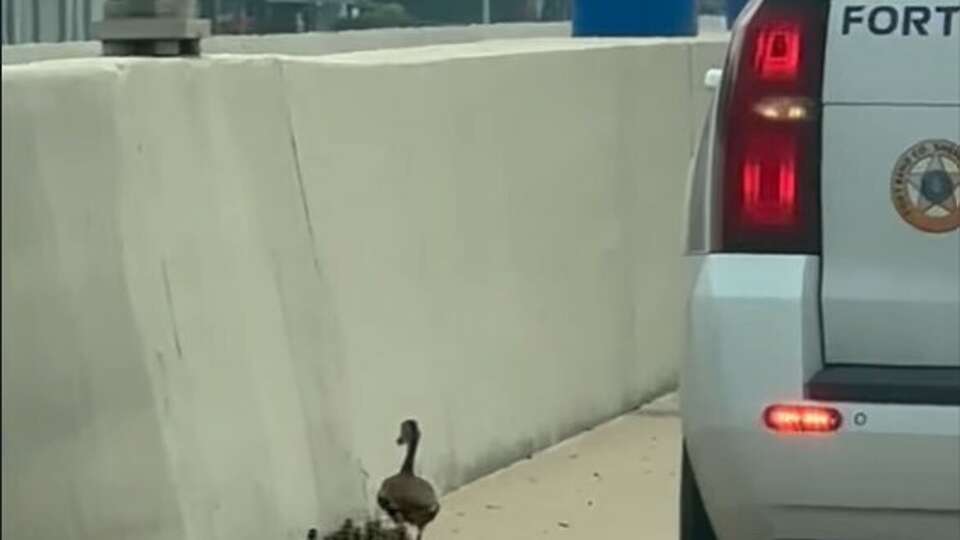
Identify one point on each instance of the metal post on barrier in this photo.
(734, 7)
(151, 28)
(634, 18)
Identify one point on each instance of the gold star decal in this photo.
(950, 199)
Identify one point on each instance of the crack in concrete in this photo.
(170, 309)
(298, 170)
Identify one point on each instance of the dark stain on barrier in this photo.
(162, 368)
(298, 170)
(170, 309)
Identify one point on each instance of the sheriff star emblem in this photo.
(925, 187)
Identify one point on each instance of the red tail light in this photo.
(778, 52)
(802, 419)
(768, 130)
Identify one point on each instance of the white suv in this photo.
(821, 393)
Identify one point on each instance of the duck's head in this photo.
(409, 432)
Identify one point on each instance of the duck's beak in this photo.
(400, 441)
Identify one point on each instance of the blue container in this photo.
(633, 18)
(734, 7)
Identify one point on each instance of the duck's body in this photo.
(405, 497)
(408, 499)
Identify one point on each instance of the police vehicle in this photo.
(821, 391)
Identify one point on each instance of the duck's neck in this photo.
(407, 467)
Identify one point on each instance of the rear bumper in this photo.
(755, 340)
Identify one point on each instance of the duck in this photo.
(408, 499)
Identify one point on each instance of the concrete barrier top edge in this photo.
(491, 48)
(380, 57)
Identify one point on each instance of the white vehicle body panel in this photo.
(891, 291)
(755, 341)
(899, 67)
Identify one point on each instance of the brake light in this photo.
(770, 183)
(802, 419)
(768, 129)
(778, 52)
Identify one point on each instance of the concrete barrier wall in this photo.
(227, 280)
